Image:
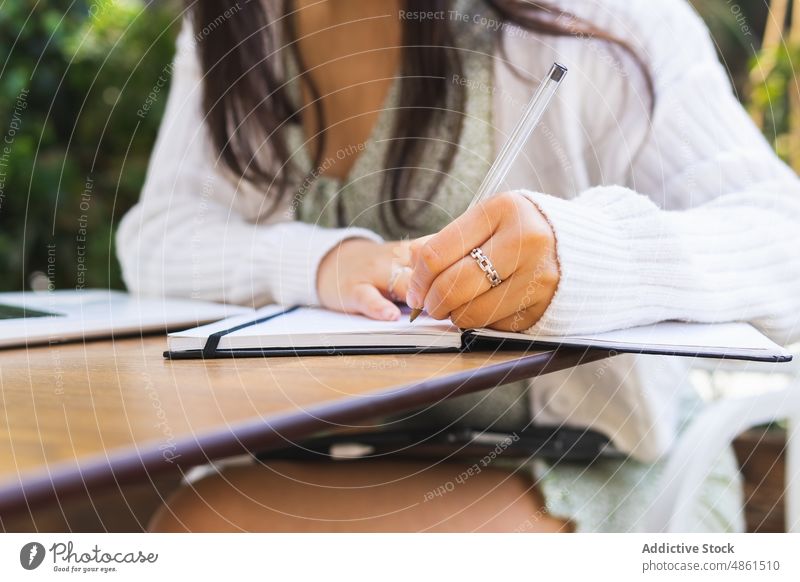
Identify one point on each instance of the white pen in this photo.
(531, 117)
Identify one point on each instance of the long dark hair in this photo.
(246, 104)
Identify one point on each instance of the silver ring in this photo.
(486, 266)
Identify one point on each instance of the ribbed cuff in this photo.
(617, 260)
(290, 270)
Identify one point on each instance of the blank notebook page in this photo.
(320, 322)
(719, 337)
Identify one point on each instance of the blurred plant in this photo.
(736, 27)
(73, 149)
(773, 102)
(775, 95)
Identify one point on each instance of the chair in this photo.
(724, 419)
(716, 427)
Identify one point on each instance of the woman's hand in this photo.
(355, 277)
(519, 242)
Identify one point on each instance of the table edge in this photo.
(132, 464)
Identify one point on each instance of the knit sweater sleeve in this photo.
(186, 236)
(707, 230)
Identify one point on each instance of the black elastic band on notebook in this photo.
(212, 343)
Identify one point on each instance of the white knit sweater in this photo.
(683, 214)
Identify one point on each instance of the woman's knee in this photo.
(358, 496)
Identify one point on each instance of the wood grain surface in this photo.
(105, 412)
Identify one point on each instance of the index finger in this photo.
(432, 255)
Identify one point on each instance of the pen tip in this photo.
(414, 314)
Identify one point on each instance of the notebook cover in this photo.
(478, 343)
(289, 351)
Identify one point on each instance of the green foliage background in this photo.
(84, 69)
(772, 100)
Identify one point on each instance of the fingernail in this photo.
(391, 313)
(412, 299)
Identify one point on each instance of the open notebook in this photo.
(276, 331)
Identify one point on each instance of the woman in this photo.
(303, 143)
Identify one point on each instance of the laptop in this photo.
(48, 317)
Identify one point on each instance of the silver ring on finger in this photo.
(486, 266)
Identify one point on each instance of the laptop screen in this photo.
(19, 312)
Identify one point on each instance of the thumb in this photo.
(414, 296)
(415, 247)
(367, 300)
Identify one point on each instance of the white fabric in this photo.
(685, 214)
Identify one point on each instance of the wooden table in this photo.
(79, 417)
